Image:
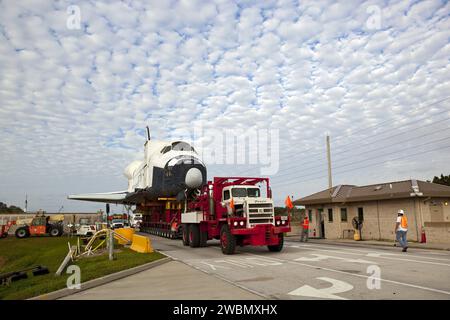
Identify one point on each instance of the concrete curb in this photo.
(362, 244)
(100, 281)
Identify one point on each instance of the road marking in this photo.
(321, 257)
(361, 276)
(302, 264)
(213, 267)
(380, 255)
(241, 263)
(337, 286)
(376, 254)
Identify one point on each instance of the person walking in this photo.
(401, 229)
(305, 229)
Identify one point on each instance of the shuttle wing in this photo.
(109, 197)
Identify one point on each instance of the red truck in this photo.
(233, 210)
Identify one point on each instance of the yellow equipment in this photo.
(141, 244)
(126, 233)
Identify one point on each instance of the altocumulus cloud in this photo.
(73, 102)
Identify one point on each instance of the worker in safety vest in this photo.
(305, 229)
(401, 228)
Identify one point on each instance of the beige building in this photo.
(425, 204)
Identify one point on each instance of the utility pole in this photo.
(330, 181)
(26, 203)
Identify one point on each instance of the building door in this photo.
(320, 223)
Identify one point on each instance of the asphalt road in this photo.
(322, 271)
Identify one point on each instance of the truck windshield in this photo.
(253, 192)
(245, 192)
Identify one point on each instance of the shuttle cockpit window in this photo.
(182, 146)
(166, 149)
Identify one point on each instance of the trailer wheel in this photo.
(194, 236)
(4, 235)
(22, 232)
(278, 247)
(185, 231)
(227, 240)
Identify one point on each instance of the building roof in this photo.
(380, 191)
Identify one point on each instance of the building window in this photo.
(330, 215)
(360, 214)
(343, 214)
(310, 215)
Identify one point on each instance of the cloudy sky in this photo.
(373, 75)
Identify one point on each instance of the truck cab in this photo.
(249, 204)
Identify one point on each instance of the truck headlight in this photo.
(278, 222)
(283, 222)
(241, 223)
(235, 223)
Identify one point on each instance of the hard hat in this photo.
(401, 211)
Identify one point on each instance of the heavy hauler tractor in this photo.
(233, 210)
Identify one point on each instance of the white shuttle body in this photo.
(169, 169)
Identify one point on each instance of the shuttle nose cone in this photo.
(193, 178)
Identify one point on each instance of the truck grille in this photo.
(260, 221)
(260, 213)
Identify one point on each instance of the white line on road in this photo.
(373, 254)
(361, 276)
(321, 257)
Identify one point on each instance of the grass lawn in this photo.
(16, 254)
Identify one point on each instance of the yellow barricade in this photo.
(126, 233)
(141, 244)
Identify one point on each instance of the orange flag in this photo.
(288, 202)
(232, 204)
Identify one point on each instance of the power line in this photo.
(297, 165)
(384, 122)
(383, 155)
(369, 143)
(246, 171)
(369, 151)
(362, 167)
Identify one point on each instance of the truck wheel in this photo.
(277, 247)
(55, 232)
(227, 240)
(194, 236)
(22, 232)
(203, 238)
(185, 231)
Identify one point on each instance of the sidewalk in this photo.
(172, 281)
(349, 242)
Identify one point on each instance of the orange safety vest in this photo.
(404, 222)
(306, 224)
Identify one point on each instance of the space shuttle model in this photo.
(169, 169)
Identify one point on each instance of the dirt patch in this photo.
(2, 262)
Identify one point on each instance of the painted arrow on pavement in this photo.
(337, 286)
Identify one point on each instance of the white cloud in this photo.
(73, 103)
